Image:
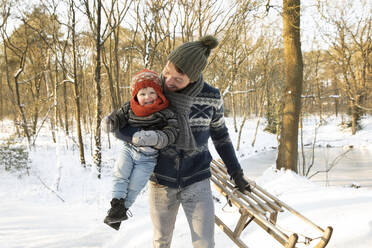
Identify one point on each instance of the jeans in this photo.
(132, 171)
(197, 202)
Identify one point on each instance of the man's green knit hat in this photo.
(192, 57)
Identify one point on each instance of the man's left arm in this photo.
(222, 142)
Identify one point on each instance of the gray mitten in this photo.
(162, 140)
(145, 138)
(109, 123)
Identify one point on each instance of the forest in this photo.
(66, 64)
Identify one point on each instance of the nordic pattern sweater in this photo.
(179, 168)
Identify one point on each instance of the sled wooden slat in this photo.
(264, 203)
(267, 200)
(220, 169)
(251, 203)
(292, 241)
(257, 216)
(229, 233)
(326, 237)
(261, 207)
(290, 209)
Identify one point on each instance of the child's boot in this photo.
(116, 213)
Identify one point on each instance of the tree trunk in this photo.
(20, 107)
(109, 70)
(36, 100)
(76, 91)
(8, 82)
(232, 78)
(335, 99)
(288, 147)
(355, 116)
(65, 99)
(2, 96)
(51, 91)
(97, 134)
(117, 65)
(318, 88)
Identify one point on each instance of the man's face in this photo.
(174, 81)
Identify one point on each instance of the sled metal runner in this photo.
(263, 208)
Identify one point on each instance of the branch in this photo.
(240, 91)
(48, 188)
(42, 123)
(333, 164)
(360, 106)
(18, 72)
(226, 91)
(32, 78)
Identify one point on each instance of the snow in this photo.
(57, 204)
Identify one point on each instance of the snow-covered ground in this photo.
(59, 204)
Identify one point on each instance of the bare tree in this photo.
(112, 62)
(4, 16)
(101, 32)
(19, 53)
(350, 49)
(74, 79)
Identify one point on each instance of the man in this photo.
(181, 176)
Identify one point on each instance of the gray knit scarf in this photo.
(182, 101)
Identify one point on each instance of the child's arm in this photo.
(159, 138)
(116, 119)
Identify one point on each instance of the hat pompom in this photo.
(209, 41)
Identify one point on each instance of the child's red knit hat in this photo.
(143, 79)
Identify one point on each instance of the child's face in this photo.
(146, 96)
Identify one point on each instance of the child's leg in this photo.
(143, 167)
(122, 172)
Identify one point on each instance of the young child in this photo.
(147, 110)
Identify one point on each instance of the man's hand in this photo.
(109, 123)
(240, 182)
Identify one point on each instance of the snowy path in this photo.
(33, 217)
(35, 225)
(37, 219)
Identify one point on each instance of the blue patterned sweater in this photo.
(179, 168)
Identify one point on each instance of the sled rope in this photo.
(307, 239)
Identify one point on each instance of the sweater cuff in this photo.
(126, 133)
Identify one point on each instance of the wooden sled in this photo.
(262, 208)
